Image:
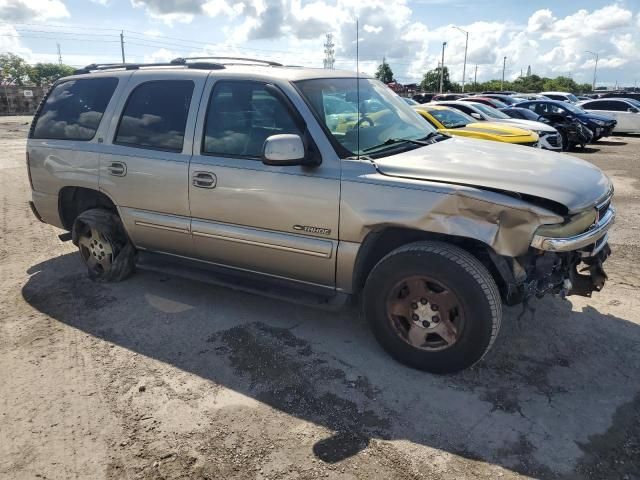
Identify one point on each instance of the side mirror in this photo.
(632, 110)
(283, 150)
(477, 116)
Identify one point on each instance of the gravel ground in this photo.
(162, 377)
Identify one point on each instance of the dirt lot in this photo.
(161, 377)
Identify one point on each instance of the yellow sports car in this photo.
(453, 122)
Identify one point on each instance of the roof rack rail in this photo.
(178, 62)
(241, 59)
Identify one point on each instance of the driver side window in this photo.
(240, 117)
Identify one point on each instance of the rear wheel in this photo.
(433, 306)
(103, 245)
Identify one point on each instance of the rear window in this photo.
(74, 108)
(155, 115)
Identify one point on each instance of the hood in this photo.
(528, 124)
(567, 180)
(494, 128)
(595, 116)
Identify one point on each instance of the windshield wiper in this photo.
(393, 141)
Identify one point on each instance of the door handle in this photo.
(117, 169)
(204, 180)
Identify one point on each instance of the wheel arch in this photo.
(73, 200)
(377, 244)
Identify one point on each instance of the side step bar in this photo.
(255, 283)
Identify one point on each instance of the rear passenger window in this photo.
(74, 108)
(155, 115)
(240, 117)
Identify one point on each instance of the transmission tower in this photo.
(329, 52)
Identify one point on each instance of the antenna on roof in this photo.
(358, 86)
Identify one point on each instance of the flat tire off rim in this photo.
(425, 313)
(96, 250)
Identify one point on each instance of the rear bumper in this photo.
(35, 212)
(46, 206)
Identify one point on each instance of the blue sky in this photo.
(552, 37)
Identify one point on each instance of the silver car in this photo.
(280, 181)
(625, 110)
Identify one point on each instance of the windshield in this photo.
(528, 114)
(572, 97)
(633, 101)
(572, 108)
(451, 118)
(490, 111)
(383, 116)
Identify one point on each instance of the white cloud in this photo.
(29, 10)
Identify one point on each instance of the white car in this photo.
(562, 96)
(550, 138)
(625, 110)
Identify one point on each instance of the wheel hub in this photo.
(424, 314)
(96, 250)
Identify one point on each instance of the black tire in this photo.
(103, 245)
(566, 145)
(462, 275)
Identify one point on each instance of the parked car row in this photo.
(560, 119)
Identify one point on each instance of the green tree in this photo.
(13, 69)
(431, 81)
(47, 73)
(530, 83)
(384, 72)
(584, 88)
(562, 84)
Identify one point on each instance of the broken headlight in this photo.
(576, 224)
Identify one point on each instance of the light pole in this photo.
(444, 44)
(466, 45)
(504, 64)
(595, 68)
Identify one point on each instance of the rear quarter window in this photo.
(73, 109)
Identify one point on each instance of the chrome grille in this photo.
(602, 208)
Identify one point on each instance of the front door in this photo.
(281, 221)
(145, 164)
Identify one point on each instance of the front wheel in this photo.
(104, 245)
(433, 306)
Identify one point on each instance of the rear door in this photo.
(276, 220)
(145, 164)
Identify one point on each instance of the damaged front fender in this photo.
(504, 223)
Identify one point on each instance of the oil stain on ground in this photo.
(284, 374)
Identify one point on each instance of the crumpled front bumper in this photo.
(564, 266)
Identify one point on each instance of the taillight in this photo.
(29, 170)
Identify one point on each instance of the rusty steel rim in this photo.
(425, 313)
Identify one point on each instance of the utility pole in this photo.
(59, 55)
(504, 65)
(595, 69)
(329, 52)
(466, 46)
(444, 44)
(122, 44)
(475, 78)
